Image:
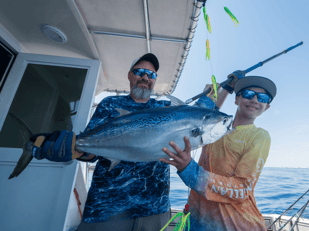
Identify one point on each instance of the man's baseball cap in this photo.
(147, 57)
(256, 81)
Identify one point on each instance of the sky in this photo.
(266, 28)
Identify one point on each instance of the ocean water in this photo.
(277, 189)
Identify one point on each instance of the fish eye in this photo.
(206, 117)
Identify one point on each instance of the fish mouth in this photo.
(229, 127)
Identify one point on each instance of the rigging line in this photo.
(211, 69)
(300, 210)
(288, 208)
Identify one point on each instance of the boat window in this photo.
(47, 99)
(6, 59)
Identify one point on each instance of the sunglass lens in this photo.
(263, 98)
(141, 72)
(138, 72)
(248, 94)
(153, 75)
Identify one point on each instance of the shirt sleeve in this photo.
(103, 113)
(234, 189)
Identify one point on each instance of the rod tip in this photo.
(188, 101)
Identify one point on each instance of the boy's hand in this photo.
(234, 77)
(212, 92)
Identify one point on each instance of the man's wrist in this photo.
(228, 88)
(88, 157)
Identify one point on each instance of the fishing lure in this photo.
(183, 222)
(206, 18)
(231, 15)
(214, 88)
(207, 50)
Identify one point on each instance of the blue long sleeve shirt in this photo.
(130, 189)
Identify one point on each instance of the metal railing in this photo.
(298, 214)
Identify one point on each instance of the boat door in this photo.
(48, 93)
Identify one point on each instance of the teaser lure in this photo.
(184, 221)
(207, 50)
(231, 15)
(206, 18)
(214, 85)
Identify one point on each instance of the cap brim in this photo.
(256, 81)
(147, 57)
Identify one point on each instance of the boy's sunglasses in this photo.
(141, 72)
(261, 97)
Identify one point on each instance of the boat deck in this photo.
(302, 224)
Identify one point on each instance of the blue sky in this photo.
(266, 27)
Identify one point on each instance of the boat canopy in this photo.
(112, 31)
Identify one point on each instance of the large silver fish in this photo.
(140, 136)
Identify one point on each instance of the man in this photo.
(132, 196)
(223, 181)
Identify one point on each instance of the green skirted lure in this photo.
(183, 222)
(231, 15)
(207, 50)
(214, 85)
(206, 18)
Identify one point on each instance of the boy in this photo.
(223, 181)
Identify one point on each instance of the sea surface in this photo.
(276, 190)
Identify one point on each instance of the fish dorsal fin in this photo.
(175, 101)
(122, 112)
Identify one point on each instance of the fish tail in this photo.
(22, 163)
(26, 156)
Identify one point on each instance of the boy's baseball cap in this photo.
(256, 81)
(147, 57)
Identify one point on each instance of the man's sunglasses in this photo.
(261, 97)
(141, 72)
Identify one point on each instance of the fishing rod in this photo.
(230, 78)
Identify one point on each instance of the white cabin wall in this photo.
(44, 185)
(74, 217)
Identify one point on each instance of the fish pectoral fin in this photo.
(114, 162)
(175, 101)
(196, 132)
(122, 112)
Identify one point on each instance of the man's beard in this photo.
(141, 93)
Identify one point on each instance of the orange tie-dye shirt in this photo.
(223, 182)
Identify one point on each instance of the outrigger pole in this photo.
(245, 71)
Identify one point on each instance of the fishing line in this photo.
(213, 78)
(184, 221)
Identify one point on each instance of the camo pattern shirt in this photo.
(129, 190)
